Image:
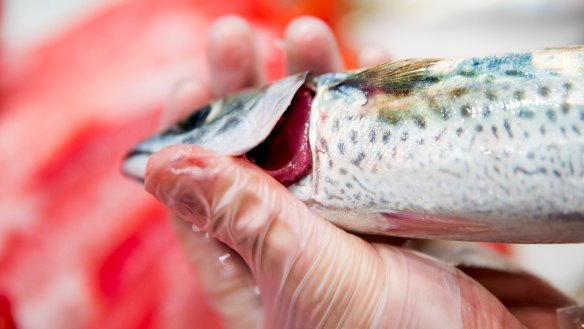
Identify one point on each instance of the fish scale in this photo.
(485, 149)
(493, 141)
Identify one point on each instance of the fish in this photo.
(487, 148)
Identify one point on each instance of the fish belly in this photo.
(488, 149)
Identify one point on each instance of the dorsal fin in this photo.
(396, 77)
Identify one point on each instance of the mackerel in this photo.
(483, 149)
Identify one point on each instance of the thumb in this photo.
(301, 262)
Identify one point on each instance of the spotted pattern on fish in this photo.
(483, 148)
(481, 136)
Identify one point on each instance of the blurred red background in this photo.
(80, 245)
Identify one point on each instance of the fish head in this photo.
(267, 126)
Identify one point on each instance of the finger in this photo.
(309, 271)
(233, 57)
(225, 279)
(295, 256)
(185, 97)
(371, 56)
(430, 293)
(311, 46)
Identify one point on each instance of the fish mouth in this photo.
(134, 164)
(269, 129)
(286, 154)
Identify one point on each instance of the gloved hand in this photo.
(263, 258)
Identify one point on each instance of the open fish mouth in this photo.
(267, 126)
(285, 154)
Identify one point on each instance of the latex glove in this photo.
(263, 258)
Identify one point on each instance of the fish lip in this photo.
(134, 164)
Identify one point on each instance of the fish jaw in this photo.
(233, 125)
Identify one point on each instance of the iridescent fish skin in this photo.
(472, 149)
(484, 149)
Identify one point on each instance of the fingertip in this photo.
(186, 96)
(372, 55)
(227, 27)
(311, 45)
(233, 57)
(165, 166)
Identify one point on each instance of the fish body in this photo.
(485, 149)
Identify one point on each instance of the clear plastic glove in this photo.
(263, 258)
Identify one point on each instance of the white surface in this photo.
(562, 265)
(26, 22)
(425, 28)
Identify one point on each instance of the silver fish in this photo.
(482, 149)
